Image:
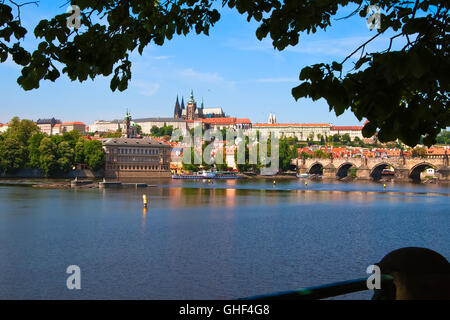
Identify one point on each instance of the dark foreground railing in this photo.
(323, 291)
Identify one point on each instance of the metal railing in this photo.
(323, 291)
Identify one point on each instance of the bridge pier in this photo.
(402, 174)
(444, 174)
(329, 172)
(363, 172)
(302, 169)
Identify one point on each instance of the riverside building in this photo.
(131, 157)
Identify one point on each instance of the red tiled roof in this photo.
(292, 125)
(219, 120)
(75, 122)
(245, 120)
(436, 151)
(346, 128)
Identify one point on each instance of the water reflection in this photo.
(144, 218)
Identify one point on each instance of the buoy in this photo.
(144, 200)
(384, 185)
(306, 183)
(274, 182)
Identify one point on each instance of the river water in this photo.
(196, 240)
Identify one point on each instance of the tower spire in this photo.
(177, 109)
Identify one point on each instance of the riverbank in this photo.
(95, 183)
(274, 177)
(43, 183)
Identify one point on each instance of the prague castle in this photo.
(189, 115)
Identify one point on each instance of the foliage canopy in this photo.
(403, 93)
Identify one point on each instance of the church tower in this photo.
(177, 110)
(272, 119)
(127, 126)
(182, 104)
(191, 107)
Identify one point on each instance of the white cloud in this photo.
(340, 47)
(201, 76)
(146, 89)
(206, 77)
(161, 57)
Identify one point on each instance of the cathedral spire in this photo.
(182, 103)
(191, 98)
(177, 109)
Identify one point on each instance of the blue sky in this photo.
(229, 69)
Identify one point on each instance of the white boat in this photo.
(208, 175)
(303, 176)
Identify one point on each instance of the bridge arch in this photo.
(377, 170)
(342, 170)
(316, 168)
(415, 171)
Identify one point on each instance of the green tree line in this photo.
(23, 145)
(287, 151)
(160, 132)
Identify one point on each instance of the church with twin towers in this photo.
(192, 112)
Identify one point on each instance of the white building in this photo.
(147, 124)
(3, 127)
(352, 131)
(302, 131)
(106, 126)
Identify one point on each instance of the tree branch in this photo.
(361, 46)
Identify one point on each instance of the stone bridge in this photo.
(370, 168)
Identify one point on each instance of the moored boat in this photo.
(208, 175)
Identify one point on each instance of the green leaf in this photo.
(5, 14)
(301, 91)
(336, 66)
(369, 130)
